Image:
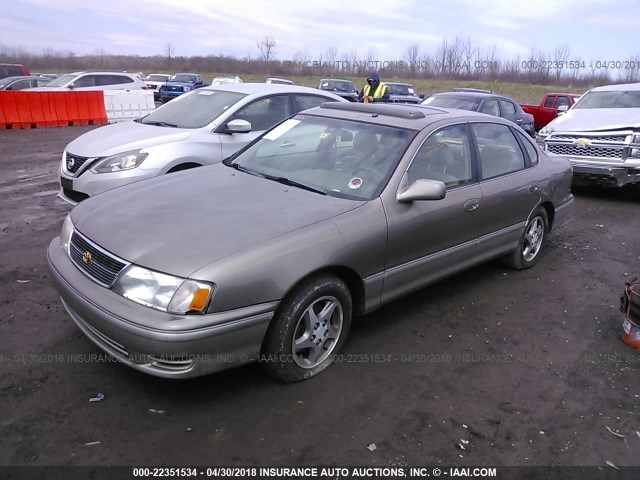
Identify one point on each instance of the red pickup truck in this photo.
(548, 108)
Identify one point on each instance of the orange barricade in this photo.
(11, 111)
(25, 109)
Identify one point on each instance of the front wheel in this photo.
(308, 330)
(531, 242)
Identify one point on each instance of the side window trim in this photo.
(528, 161)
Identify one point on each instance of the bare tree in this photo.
(266, 47)
(169, 51)
(560, 57)
(332, 54)
(412, 53)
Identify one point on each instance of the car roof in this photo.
(616, 88)
(399, 83)
(102, 73)
(184, 73)
(412, 117)
(250, 88)
(472, 95)
(22, 77)
(335, 79)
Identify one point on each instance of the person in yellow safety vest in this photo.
(374, 90)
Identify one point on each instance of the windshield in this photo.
(338, 85)
(463, 103)
(341, 158)
(6, 81)
(62, 81)
(157, 78)
(617, 99)
(395, 89)
(182, 78)
(194, 109)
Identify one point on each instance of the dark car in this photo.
(402, 93)
(484, 102)
(342, 88)
(13, 70)
(178, 84)
(22, 82)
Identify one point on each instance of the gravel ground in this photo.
(490, 367)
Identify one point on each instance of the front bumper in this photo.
(608, 175)
(88, 184)
(168, 95)
(155, 342)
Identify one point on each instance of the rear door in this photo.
(509, 185)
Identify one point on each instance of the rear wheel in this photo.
(528, 251)
(308, 330)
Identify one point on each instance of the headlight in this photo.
(163, 292)
(635, 138)
(121, 161)
(65, 233)
(186, 89)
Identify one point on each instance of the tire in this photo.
(530, 245)
(304, 336)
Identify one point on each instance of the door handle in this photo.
(518, 120)
(471, 205)
(534, 188)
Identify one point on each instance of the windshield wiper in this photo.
(161, 124)
(293, 183)
(240, 168)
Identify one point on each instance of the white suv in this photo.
(96, 81)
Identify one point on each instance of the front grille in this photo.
(74, 162)
(599, 138)
(406, 101)
(75, 196)
(97, 263)
(172, 88)
(576, 151)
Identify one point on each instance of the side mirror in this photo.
(71, 86)
(238, 126)
(562, 109)
(422, 189)
(421, 95)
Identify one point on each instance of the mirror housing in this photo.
(71, 86)
(422, 189)
(238, 126)
(562, 109)
(421, 96)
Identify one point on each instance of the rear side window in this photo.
(103, 80)
(500, 152)
(302, 102)
(490, 107)
(532, 152)
(508, 109)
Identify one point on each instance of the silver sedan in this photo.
(199, 128)
(267, 256)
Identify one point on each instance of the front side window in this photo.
(445, 156)
(500, 152)
(549, 101)
(86, 81)
(336, 157)
(265, 112)
(194, 109)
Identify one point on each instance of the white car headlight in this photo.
(635, 139)
(66, 232)
(121, 161)
(186, 89)
(163, 292)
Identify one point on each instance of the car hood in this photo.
(184, 221)
(410, 98)
(593, 119)
(123, 137)
(178, 84)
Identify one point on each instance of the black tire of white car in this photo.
(535, 231)
(317, 317)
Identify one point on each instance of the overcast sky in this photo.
(605, 30)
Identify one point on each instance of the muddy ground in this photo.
(527, 367)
